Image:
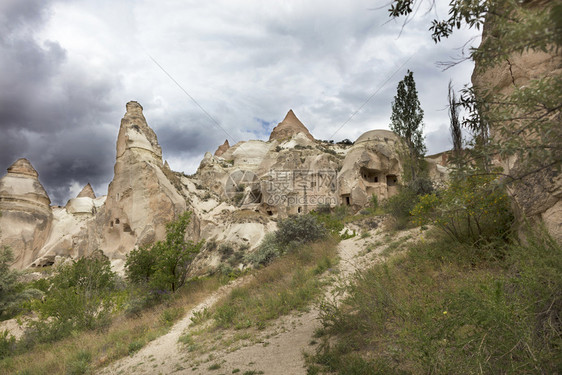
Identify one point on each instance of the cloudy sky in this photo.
(69, 67)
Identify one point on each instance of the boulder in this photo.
(26, 218)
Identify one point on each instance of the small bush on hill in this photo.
(472, 209)
(291, 233)
(400, 205)
(164, 265)
(12, 293)
(80, 296)
(299, 229)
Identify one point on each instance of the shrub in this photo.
(80, 363)
(400, 205)
(79, 296)
(291, 233)
(12, 293)
(473, 209)
(164, 265)
(7, 344)
(299, 229)
(268, 250)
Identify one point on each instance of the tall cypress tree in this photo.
(407, 122)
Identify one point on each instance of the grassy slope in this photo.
(445, 308)
(87, 350)
(289, 283)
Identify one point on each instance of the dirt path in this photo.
(279, 350)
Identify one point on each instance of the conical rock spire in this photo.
(289, 127)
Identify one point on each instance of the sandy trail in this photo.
(280, 348)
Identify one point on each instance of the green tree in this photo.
(140, 265)
(165, 264)
(407, 122)
(455, 124)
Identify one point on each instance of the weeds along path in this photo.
(277, 350)
(164, 350)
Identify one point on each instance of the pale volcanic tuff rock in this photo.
(251, 173)
(141, 199)
(222, 148)
(371, 166)
(289, 127)
(26, 218)
(87, 192)
(537, 197)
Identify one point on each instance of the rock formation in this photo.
(371, 167)
(87, 192)
(84, 203)
(234, 196)
(291, 173)
(289, 127)
(537, 197)
(141, 199)
(222, 148)
(26, 218)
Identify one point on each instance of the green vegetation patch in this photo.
(438, 310)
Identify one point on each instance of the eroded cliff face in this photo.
(236, 196)
(26, 218)
(537, 196)
(371, 167)
(141, 199)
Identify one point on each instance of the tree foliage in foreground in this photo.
(526, 123)
(164, 264)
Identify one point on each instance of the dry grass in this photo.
(86, 351)
(290, 283)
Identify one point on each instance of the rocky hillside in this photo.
(236, 195)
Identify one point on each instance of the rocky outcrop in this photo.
(26, 218)
(140, 199)
(288, 128)
(83, 203)
(371, 167)
(290, 174)
(222, 148)
(235, 196)
(87, 192)
(538, 196)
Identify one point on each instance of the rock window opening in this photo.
(299, 210)
(369, 175)
(111, 224)
(116, 221)
(346, 200)
(270, 213)
(391, 180)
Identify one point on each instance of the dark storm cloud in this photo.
(51, 112)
